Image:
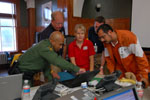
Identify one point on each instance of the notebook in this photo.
(126, 93)
(65, 76)
(85, 77)
(11, 87)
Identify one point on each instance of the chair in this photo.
(37, 37)
(69, 39)
(9, 57)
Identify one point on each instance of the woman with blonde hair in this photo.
(81, 51)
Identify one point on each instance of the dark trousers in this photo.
(27, 75)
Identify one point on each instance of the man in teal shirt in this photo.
(41, 56)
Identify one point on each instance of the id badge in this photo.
(85, 47)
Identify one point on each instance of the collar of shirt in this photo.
(114, 44)
(75, 44)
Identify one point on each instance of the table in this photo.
(146, 95)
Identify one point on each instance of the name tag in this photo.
(85, 48)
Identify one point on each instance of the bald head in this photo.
(57, 40)
(56, 36)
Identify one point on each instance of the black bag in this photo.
(46, 91)
(14, 69)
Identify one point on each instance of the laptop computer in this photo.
(85, 77)
(11, 87)
(125, 93)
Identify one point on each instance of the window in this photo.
(7, 27)
(46, 13)
(47, 16)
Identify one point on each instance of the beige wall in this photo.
(140, 21)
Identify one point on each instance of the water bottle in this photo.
(84, 85)
(95, 47)
(139, 89)
(26, 90)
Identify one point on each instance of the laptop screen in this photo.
(127, 93)
(10, 87)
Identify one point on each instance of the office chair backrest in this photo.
(69, 39)
(37, 37)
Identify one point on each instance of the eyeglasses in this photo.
(102, 37)
(59, 23)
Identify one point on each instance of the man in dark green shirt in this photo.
(41, 56)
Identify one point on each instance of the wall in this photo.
(117, 23)
(22, 27)
(23, 14)
(109, 8)
(140, 21)
(77, 7)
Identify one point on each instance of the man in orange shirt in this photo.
(123, 52)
